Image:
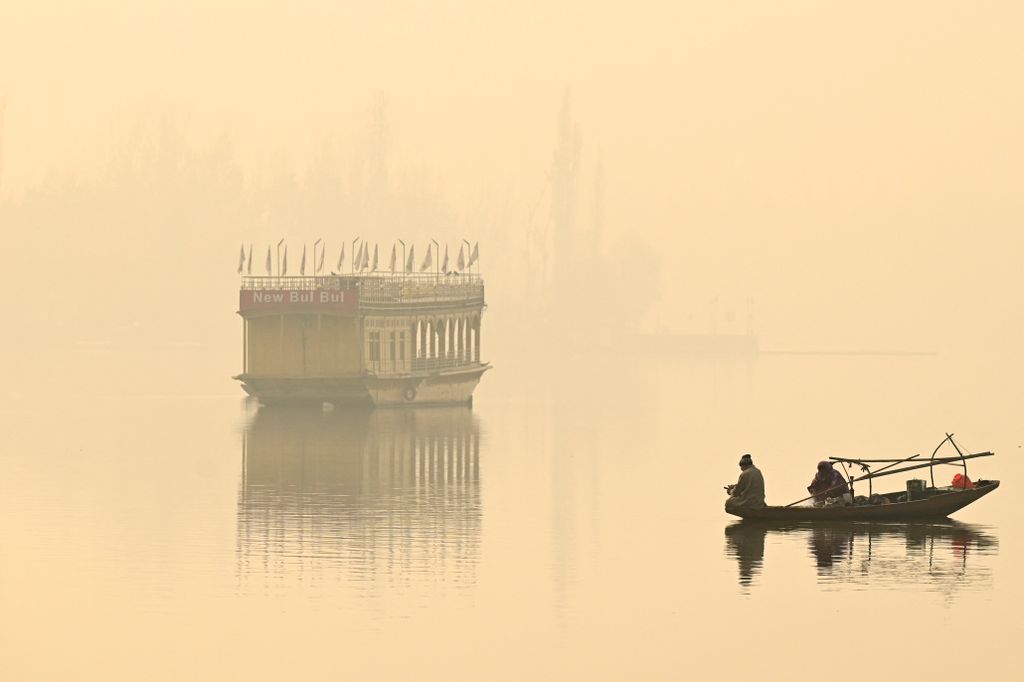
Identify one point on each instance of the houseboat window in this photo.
(374, 346)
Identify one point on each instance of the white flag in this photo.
(476, 253)
(394, 253)
(320, 265)
(461, 263)
(357, 261)
(284, 266)
(374, 268)
(248, 267)
(270, 270)
(428, 262)
(302, 265)
(341, 258)
(366, 257)
(444, 264)
(410, 260)
(241, 259)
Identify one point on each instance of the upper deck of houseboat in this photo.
(369, 292)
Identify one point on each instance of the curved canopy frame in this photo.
(960, 459)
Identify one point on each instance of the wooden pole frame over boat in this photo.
(930, 502)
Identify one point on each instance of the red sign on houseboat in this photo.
(292, 300)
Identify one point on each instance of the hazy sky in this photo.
(854, 167)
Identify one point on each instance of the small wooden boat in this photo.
(910, 505)
(935, 503)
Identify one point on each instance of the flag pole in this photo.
(403, 255)
(353, 265)
(437, 265)
(279, 259)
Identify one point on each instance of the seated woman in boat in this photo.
(829, 483)
(748, 493)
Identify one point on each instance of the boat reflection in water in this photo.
(942, 556)
(360, 496)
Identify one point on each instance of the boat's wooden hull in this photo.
(444, 387)
(934, 507)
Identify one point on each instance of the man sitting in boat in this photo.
(829, 483)
(748, 493)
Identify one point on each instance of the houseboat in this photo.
(370, 339)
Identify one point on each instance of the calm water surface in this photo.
(569, 526)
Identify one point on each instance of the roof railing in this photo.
(382, 289)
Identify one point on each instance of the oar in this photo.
(862, 478)
(937, 460)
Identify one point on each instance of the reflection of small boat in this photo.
(885, 554)
(918, 502)
(956, 532)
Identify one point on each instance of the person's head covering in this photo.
(824, 466)
(746, 461)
